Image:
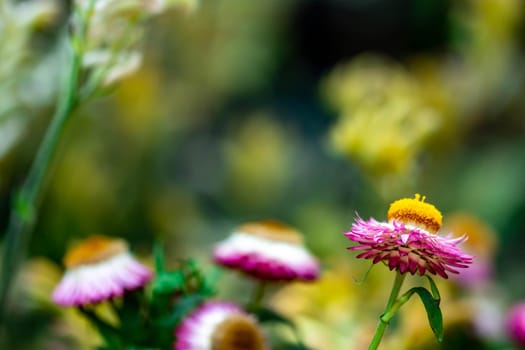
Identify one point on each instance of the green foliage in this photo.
(431, 301)
(147, 317)
(435, 318)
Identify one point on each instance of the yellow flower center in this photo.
(94, 250)
(417, 212)
(237, 332)
(272, 230)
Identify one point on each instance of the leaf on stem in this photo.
(435, 318)
(182, 308)
(434, 289)
(160, 262)
(168, 282)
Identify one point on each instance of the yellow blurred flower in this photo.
(385, 120)
(259, 156)
(482, 243)
(482, 240)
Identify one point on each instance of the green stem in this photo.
(381, 326)
(24, 208)
(109, 333)
(258, 295)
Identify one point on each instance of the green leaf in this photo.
(292, 346)
(434, 289)
(183, 307)
(23, 207)
(435, 318)
(132, 317)
(265, 315)
(160, 261)
(168, 282)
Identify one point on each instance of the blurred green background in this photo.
(305, 111)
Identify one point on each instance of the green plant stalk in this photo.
(258, 296)
(24, 207)
(383, 323)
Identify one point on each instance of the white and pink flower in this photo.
(217, 325)
(99, 269)
(267, 251)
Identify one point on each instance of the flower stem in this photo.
(24, 206)
(381, 326)
(257, 296)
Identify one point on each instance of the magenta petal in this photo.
(265, 259)
(408, 249)
(91, 284)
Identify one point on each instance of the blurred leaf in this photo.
(168, 282)
(265, 315)
(132, 317)
(160, 261)
(23, 207)
(183, 307)
(292, 346)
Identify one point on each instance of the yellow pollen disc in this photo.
(94, 250)
(416, 211)
(272, 230)
(237, 332)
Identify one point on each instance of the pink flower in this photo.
(99, 269)
(218, 325)
(409, 241)
(516, 323)
(267, 251)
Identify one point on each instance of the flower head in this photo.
(409, 242)
(98, 269)
(516, 323)
(267, 250)
(385, 117)
(218, 326)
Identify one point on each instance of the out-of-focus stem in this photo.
(25, 204)
(257, 296)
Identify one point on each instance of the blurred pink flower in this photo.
(99, 269)
(218, 325)
(267, 251)
(516, 323)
